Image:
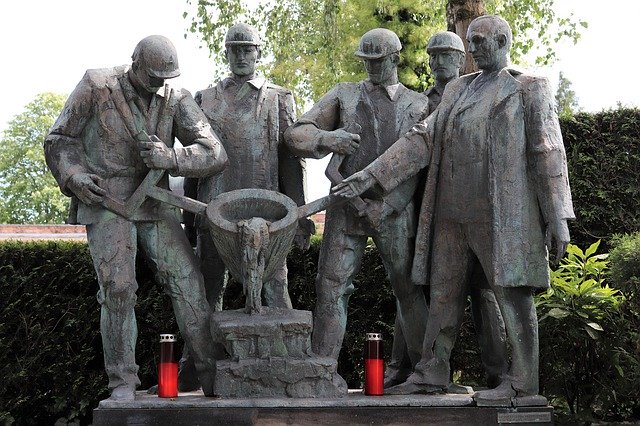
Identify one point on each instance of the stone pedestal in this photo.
(271, 356)
(193, 408)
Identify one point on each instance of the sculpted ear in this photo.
(226, 55)
(502, 40)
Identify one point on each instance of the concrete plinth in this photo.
(274, 333)
(295, 378)
(271, 356)
(356, 409)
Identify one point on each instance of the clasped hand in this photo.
(156, 154)
(354, 185)
(341, 142)
(86, 186)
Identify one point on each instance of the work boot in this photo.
(207, 376)
(504, 391)
(395, 376)
(187, 376)
(415, 385)
(124, 392)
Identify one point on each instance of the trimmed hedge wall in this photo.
(52, 361)
(603, 153)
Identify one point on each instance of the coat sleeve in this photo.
(202, 153)
(291, 168)
(545, 150)
(305, 137)
(406, 157)
(63, 146)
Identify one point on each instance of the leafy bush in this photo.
(625, 275)
(584, 359)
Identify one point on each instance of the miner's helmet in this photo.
(445, 40)
(158, 56)
(378, 43)
(242, 34)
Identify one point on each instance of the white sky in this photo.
(47, 45)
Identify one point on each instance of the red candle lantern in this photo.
(373, 365)
(168, 367)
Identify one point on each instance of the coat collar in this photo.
(505, 86)
(392, 91)
(256, 82)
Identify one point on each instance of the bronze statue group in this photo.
(463, 189)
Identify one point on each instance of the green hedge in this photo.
(603, 153)
(51, 355)
(52, 358)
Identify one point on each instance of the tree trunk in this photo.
(460, 13)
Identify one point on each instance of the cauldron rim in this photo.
(213, 208)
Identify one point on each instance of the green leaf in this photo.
(558, 313)
(595, 326)
(592, 249)
(591, 333)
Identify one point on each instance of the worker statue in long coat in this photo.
(446, 57)
(497, 193)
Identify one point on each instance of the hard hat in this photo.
(157, 54)
(445, 40)
(242, 34)
(378, 43)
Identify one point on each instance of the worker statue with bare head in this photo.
(446, 57)
(496, 195)
(113, 131)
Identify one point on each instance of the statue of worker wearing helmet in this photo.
(113, 130)
(249, 114)
(497, 196)
(359, 121)
(446, 58)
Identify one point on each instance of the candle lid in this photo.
(168, 338)
(374, 336)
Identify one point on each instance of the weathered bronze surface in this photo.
(497, 194)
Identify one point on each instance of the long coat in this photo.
(528, 179)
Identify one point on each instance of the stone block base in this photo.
(272, 333)
(295, 378)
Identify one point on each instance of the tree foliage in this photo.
(566, 99)
(309, 44)
(28, 191)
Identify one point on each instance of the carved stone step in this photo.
(313, 377)
(273, 333)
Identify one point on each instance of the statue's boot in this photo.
(504, 391)
(187, 375)
(395, 376)
(410, 388)
(415, 385)
(124, 392)
(207, 376)
(459, 389)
